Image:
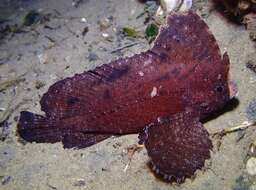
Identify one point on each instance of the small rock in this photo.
(251, 166)
(104, 23)
(79, 183)
(83, 20)
(43, 58)
(241, 183)
(107, 37)
(6, 180)
(252, 149)
(85, 30)
(251, 110)
(39, 84)
(92, 57)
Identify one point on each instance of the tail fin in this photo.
(36, 128)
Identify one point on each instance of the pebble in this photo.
(83, 20)
(6, 180)
(43, 58)
(251, 110)
(79, 183)
(92, 57)
(252, 149)
(251, 166)
(104, 23)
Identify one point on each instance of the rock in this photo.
(104, 23)
(251, 166)
(43, 58)
(6, 180)
(251, 110)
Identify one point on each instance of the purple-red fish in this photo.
(162, 94)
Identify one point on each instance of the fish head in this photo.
(218, 91)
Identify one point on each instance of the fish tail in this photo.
(40, 129)
(37, 128)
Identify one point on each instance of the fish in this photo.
(162, 94)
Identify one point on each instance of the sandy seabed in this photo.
(41, 56)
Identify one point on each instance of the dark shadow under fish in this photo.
(162, 93)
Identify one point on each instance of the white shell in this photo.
(251, 166)
(186, 5)
(180, 5)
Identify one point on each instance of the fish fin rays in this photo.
(177, 146)
(36, 128)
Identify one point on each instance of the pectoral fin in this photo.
(177, 146)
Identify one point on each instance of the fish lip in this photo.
(233, 89)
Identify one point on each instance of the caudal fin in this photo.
(36, 128)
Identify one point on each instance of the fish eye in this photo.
(219, 89)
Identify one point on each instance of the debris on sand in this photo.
(85, 30)
(251, 65)
(39, 84)
(6, 180)
(151, 32)
(250, 23)
(130, 32)
(43, 58)
(105, 23)
(31, 18)
(176, 5)
(12, 82)
(242, 11)
(243, 126)
(251, 110)
(252, 149)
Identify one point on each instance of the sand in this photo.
(37, 62)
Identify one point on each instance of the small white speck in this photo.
(43, 58)
(105, 35)
(147, 62)
(132, 12)
(186, 5)
(153, 92)
(126, 167)
(159, 11)
(83, 20)
(2, 109)
(141, 73)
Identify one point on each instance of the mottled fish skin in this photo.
(183, 72)
(177, 146)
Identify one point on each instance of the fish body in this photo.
(168, 89)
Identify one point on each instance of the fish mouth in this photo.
(233, 89)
